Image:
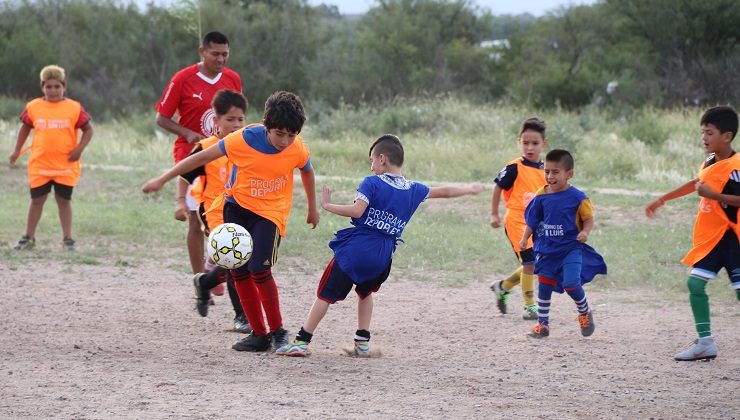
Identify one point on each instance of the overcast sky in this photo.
(497, 7)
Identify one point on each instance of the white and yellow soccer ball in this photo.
(229, 245)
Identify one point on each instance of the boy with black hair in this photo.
(382, 208)
(561, 218)
(258, 197)
(716, 232)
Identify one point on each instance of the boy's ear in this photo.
(569, 174)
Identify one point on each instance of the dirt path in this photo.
(83, 341)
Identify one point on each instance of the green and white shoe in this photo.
(361, 349)
(529, 312)
(502, 296)
(295, 349)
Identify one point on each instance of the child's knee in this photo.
(697, 286)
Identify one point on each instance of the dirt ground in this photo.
(82, 341)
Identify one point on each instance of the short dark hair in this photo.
(563, 157)
(284, 110)
(389, 146)
(225, 99)
(533, 124)
(214, 38)
(722, 117)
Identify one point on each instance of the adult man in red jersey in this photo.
(189, 93)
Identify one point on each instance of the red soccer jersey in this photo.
(189, 93)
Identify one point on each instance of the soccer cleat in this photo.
(279, 338)
(699, 351)
(202, 297)
(502, 296)
(253, 343)
(241, 324)
(297, 348)
(587, 324)
(361, 349)
(540, 330)
(530, 312)
(25, 243)
(68, 244)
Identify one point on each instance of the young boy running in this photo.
(561, 218)
(716, 232)
(259, 197)
(518, 182)
(55, 152)
(228, 107)
(382, 208)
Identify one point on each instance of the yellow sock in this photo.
(528, 288)
(513, 279)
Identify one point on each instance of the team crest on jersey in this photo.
(39, 124)
(207, 124)
(527, 197)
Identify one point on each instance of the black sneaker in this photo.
(68, 244)
(252, 343)
(202, 297)
(279, 338)
(242, 325)
(26, 242)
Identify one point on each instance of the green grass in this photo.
(621, 162)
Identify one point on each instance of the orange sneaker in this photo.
(540, 330)
(587, 324)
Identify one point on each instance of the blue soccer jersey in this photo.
(365, 250)
(553, 220)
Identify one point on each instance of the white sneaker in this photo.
(699, 351)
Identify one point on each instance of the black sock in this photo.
(212, 278)
(304, 335)
(362, 335)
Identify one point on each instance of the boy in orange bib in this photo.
(715, 242)
(55, 152)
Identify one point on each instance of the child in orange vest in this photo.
(716, 232)
(55, 152)
(518, 182)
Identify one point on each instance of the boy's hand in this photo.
(313, 217)
(523, 244)
(705, 190)
(181, 210)
(152, 185)
(495, 221)
(14, 158)
(325, 195)
(75, 155)
(653, 207)
(582, 237)
(193, 137)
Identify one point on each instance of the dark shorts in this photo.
(64, 191)
(265, 237)
(526, 256)
(335, 284)
(725, 254)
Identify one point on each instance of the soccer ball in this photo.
(229, 245)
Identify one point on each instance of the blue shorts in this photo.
(265, 237)
(335, 284)
(725, 254)
(565, 270)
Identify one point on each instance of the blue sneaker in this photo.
(295, 349)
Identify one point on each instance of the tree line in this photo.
(631, 53)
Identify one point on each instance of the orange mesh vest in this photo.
(711, 221)
(216, 175)
(54, 138)
(528, 181)
(263, 182)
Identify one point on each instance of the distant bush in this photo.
(10, 108)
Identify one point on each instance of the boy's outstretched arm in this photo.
(354, 210)
(309, 185)
(684, 189)
(495, 200)
(706, 191)
(186, 165)
(455, 191)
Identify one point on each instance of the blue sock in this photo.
(579, 297)
(544, 297)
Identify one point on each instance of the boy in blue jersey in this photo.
(561, 218)
(382, 208)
